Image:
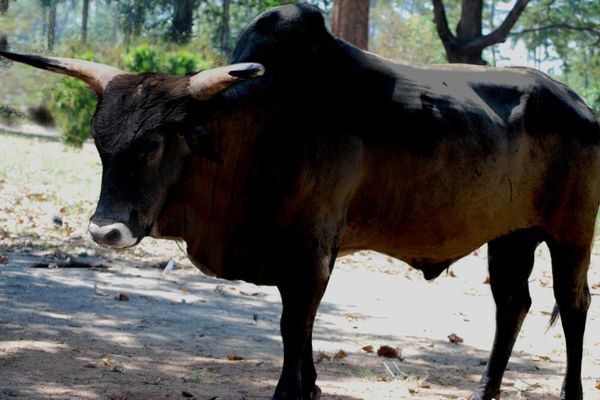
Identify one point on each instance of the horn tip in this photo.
(259, 70)
(250, 70)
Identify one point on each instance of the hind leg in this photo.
(510, 263)
(570, 262)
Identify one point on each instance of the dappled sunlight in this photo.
(56, 390)
(183, 325)
(14, 346)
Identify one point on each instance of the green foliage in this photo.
(143, 58)
(73, 103)
(592, 97)
(147, 58)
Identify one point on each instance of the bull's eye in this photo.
(152, 149)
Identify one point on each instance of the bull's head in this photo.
(144, 127)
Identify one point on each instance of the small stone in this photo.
(122, 297)
(57, 219)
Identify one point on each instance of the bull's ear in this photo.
(207, 84)
(94, 74)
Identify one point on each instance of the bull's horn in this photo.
(206, 84)
(94, 74)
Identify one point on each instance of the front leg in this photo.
(301, 292)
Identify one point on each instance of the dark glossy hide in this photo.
(336, 150)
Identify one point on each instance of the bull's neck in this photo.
(208, 205)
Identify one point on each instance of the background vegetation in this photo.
(561, 37)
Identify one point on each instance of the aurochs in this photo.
(306, 147)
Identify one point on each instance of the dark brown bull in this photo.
(335, 150)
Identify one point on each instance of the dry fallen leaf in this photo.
(232, 357)
(425, 385)
(185, 393)
(598, 384)
(368, 349)
(3, 260)
(454, 338)
(219, 289)
(487, 280)
(351, 318)
(389, 352)
(323, 357)
(340, 355)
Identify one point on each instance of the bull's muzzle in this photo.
(116, 235)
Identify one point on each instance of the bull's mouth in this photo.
(115, 235)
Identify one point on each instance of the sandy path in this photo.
(63, 335)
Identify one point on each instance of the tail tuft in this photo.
(553, 317)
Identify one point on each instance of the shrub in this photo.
(147, 58)
(593, 99)
(143, 58)
(73, 103)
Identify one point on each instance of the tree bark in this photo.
(468, 44)
(350, 21)
(84, 20)
(181, 28)
(225, 31)
(51, 25)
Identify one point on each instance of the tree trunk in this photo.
(44, 23)
(51, 25)
(84, 20)
(181, 28)
(3, 7)
(138, 12)
(225, 32)
(350, 21)
(114, 11)
(468, 44)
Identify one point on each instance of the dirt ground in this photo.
(80, 322)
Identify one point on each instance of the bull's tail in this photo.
(553, 317)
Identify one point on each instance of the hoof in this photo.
(285, 395)
(572, 392)
(315, 394)
(482, 394)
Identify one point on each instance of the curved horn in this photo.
(94, 74)
(207, 84)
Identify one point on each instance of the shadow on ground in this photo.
(63, 335)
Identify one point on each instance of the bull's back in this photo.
(504, 156)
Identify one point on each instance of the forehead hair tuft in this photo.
(137, 104)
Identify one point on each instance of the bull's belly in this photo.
(434, 245)
(435, 210)
(443, 224)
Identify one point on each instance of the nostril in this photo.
(112, 236)
(115, 235)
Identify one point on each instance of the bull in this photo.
(305, 148)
